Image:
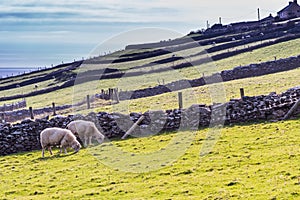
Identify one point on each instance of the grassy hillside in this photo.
(254, 161)
(248, 161)
(262, 85)
(66, 96)
(279, 82)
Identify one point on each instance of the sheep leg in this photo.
(65, 150)
(64, 146)
(85, 141)
(50, 150)
(43, 152)
(90, 140)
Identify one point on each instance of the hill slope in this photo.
(140, 67)
(245, 163)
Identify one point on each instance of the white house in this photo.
(291, 11)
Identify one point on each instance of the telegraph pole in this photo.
(207, 24)
(258, 13)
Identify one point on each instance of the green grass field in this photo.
(66, 96)
(250, 161)
(263, 85)
(247, 161)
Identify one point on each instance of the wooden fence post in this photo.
(110, 93)
(133, 127)
(31, 113)
(116, 94)
(2, 116)
(180, 103)
(290, 112)
(54, 109)
(242, 92)
(88, 101)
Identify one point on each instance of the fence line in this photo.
(31, 112)
(13, 106)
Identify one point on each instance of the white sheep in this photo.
(58, 137)
(86, 130)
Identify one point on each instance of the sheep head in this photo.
(76, 146)
(100, 138)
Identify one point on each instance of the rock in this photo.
(26, 121)
(17, 133)
(25, 135)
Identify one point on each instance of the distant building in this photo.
(291, 11)
(268, 20)
(245, 26)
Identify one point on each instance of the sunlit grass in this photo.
(209, 94)
(271, 83)
(255, 161)
(278, 82)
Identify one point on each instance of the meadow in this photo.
(249, 161)
(242, 161)
(79, 92)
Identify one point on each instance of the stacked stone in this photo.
(226, 75)
(24, 136)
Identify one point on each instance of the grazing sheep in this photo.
(57, 136)
(85, 130)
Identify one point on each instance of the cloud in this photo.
(36, 15)
(63, 27)
(16, 14)
(93, 11)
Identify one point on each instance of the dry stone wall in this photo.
(13, 116)
(24, 136)
(13, 106)
(240, 72)
(21, 114)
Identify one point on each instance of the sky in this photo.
(39, 33)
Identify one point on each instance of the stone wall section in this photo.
(24, 136)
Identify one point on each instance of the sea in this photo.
(7, 72)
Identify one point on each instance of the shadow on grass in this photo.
(55, 156)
